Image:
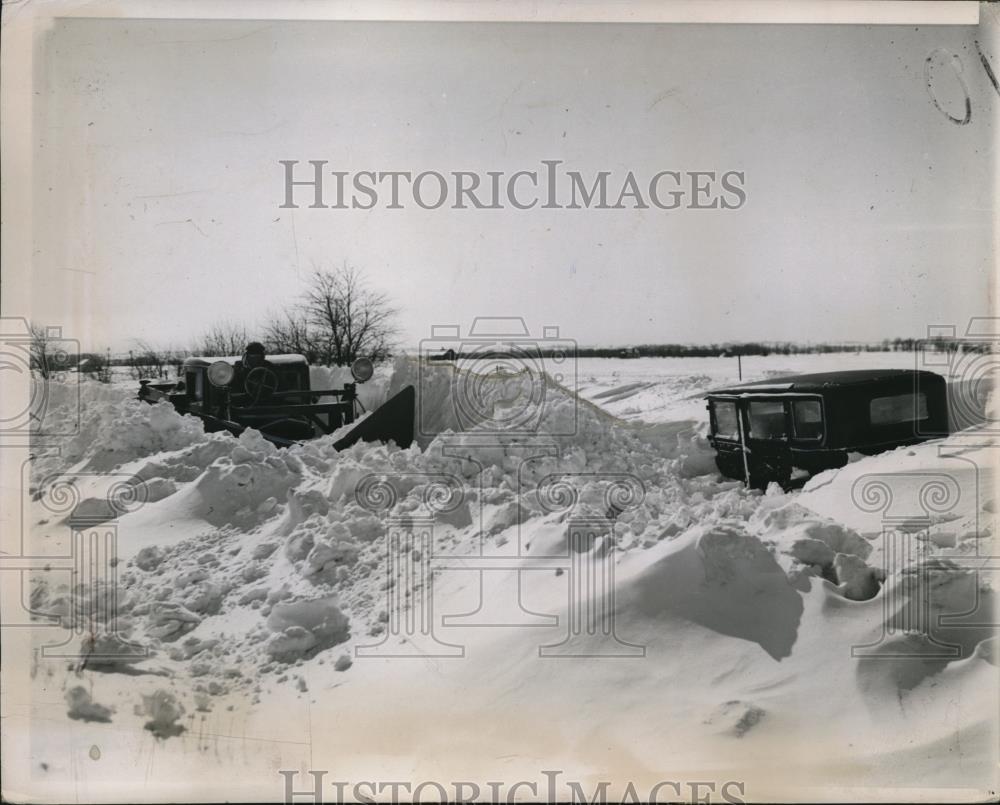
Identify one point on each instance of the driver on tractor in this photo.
(254, 376)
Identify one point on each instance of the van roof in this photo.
(825, 380)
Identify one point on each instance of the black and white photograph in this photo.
(499, 402)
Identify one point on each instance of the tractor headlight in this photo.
(362, 369)
(220, 373)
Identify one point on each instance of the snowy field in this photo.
(636, 620)
(670, 389)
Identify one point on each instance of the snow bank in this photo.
(252, 574)
(99, 427)
(263, 557)
(725, 580)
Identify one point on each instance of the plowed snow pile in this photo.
(758, 637)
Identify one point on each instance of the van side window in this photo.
(767, 419)
(898, 408)
(725, 420)
(807, 419)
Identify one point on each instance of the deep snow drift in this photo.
(597, 600)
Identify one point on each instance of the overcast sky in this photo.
(868, 214)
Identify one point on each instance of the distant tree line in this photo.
(765, 348)
(340, 318)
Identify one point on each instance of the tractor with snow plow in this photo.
(272, 394)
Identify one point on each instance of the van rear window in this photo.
(898, 408)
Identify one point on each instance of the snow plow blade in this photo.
(392, 421)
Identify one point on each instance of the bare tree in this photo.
(223, 339)
(42, 350)
(340, 318)
(289, 332)
(347, 318)
(148, 362)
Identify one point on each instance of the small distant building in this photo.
(629, 352)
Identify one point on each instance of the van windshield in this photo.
(725, 420)
(767, 419)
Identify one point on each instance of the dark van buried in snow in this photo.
(764, 430)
